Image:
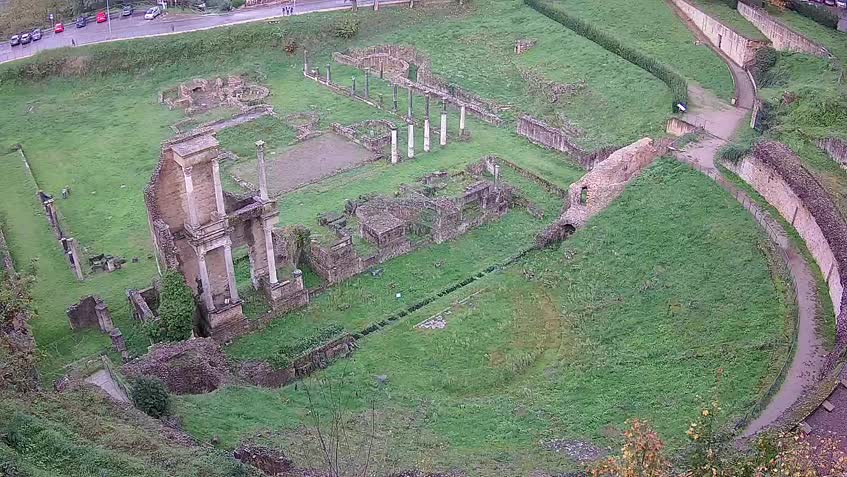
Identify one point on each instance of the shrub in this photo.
(815, 13)
(733, 4)
(238, 3)
(764, 59)
(733, 152)
(677, 84)
(151, 397)
(346, 27)
(176, 310)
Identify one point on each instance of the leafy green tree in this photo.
(151, 396)
(176, 310)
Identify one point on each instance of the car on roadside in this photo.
(829, 3)
(841, 3)
(101, 17)
(36, 34)
(152, 13)
(25, 38)
(58, 28)
(15, 40)
(127, 11)
(81, 21)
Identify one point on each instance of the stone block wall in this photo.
(90, 312)
(782, 37)
(736, 46)
(776, 173)
(678, 127)
(540, 133)
(262, 374)
(836, 148)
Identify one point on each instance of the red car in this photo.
(58, 28)
(101, 17)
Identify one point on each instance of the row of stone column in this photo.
(410, 125)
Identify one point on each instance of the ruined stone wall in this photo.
(836, 148)
(262, 374)
(737, 47)
(335, 263)
(540, 133)
(5, 256)
(776, 173)
(354, 133)
(678, 127)
(782, 37)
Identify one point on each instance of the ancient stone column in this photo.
(462, 121)
(496, 176)
(411, 151)
(204, 281)
(395, 97)
(376, 5)
(426, 146)
(328, 74)
(395, 154)
(73, 255)
(381, 98)
(263, 178)
(297, 275)
(219, 191)
(381, 69)
(305, 63)
(443, 139)
(189, 197)
(367, 83)
(269, 250)
(104, 318)
(353, 88)
(119, 343)
(230, 272)
(410, 112)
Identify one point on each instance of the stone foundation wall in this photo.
(261, 373)
(737, 47)
(836, 148)
(778, 175)
(540, 133)
(782, 37)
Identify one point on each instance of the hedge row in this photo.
(677, 84)
(818, 14)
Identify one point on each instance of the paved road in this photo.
(167, 24)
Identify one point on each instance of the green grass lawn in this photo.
(631, 317)
(651, 26)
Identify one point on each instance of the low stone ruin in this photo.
(90, 312)
(522, 45)
(552, 90)
(598, 188)
(199, 95)
(194, 366)
(305, 123)
(261, 373)
(542, 134)
(373, 134)
(270, 462)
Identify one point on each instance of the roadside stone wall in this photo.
(836, 148)
(737, 47)
(776, 173)
(782, 37)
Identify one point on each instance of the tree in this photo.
(151, 396)
(641, 456)
(176, 310)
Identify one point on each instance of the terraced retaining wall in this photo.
(737, 47)
(776, 173)
(782, 37)
(836, 148)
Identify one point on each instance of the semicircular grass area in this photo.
(635, 316)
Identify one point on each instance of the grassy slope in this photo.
(730, 17)
(651, 26)
(835, 41)
(567, 343)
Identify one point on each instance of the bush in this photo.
(238, 3)
(733, 4)
(222, 5)
(346, 27)
(151, 397)
(764, 59)
(677, 84)
(176, 310)
(733, 152)
(818, 14)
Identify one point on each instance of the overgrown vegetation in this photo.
(151, 396)
(818, 14)
(663, 71)
(176, 310)
(287, 352)
(17, 349)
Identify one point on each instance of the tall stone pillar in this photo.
(496, 176)
(219, 191)
(443, 139)
(381, 69)
(376, 5)
(368, 83)
(305, 63)
(395, 154)
(269, 250)
(411, 151)
(462, 121)
(353, 87)
(189, 197)
(410, 112)
(263, 178)
(73, 254)
(104, 318)
(394, 90)
(230, 272)
(206, 296)
(328, 73)
(426, 146)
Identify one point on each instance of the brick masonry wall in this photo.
(806, 206)
(736, 46)
(782, 37)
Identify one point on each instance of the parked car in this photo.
(36, 34)
(127, 11)
(830, 3)
(841, 3)
(152, 13)
(81, 22)
(58, 28)
(25, 38)
(15, 40)
(102, 17)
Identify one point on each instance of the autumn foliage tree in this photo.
(642, 455)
